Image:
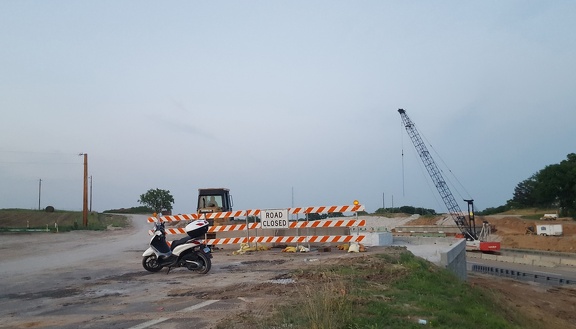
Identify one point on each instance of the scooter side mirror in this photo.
(159, 227)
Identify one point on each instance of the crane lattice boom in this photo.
(468, 230)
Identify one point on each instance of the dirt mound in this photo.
(511, 231)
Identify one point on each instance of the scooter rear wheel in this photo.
(204, 262)
(151, 264)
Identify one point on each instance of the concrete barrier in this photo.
(449, 253)
(490, 257)
(378, 239)
(545, 264)
(568, 262)
(455, 259)
(474, 255)
(523, 261)
(507, 259)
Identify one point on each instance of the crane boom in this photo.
(467, 227)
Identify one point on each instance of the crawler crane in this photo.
(474, 241)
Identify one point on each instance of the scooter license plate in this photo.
(207, 250)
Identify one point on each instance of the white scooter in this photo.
(186, 252)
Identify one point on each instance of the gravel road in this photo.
(88, 279)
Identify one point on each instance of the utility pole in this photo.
(90, 193)
(39, 192)
(85, 198)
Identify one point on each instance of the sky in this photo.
(286, 103)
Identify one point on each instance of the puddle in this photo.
(282, 281)
(55, 293)
(105, 293)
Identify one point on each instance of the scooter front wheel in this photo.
(151, 264)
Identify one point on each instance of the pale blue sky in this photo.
(270, 97)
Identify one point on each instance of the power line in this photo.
(38, 152)
(37, 162)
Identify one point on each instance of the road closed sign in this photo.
(274, 218)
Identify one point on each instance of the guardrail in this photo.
(521, 275)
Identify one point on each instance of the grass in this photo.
(62, 221)
(386, 291)
(530, 213)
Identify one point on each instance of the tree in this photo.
(157, 199)
(524, 193)
(553, 186)
(557, 185)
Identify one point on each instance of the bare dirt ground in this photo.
(95, 280)
(512, 232)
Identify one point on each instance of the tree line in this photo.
(551, 187)
(407, 210)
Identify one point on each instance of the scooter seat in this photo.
(178, 242)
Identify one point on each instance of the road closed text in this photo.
(274, 218)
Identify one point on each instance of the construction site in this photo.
(253, 269)
(549, 297)
(525, 258)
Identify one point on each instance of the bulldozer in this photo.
(214, 200)
(211, 200)
(530, 230)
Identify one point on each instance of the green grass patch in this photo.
(13, 220)
(532, 217)
(390, 290)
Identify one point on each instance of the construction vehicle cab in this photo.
(214, 200)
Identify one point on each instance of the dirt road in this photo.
(95, 280)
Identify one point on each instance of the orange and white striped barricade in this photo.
(214, 229)
(288, 239)
(325, 209)
(209, 215)
(256, 212)
(251, 226)
(329, 223)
